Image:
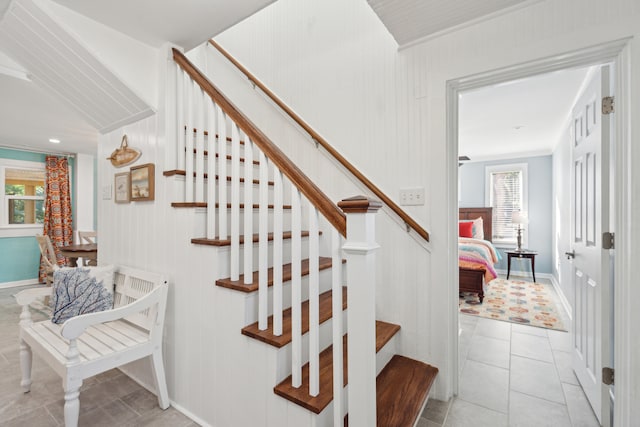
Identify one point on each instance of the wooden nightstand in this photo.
(524, 253)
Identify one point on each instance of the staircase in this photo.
(304, 286)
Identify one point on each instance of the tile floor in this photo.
(110, 399)
(512, 375)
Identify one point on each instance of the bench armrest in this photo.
(74, 327)
(28, 296)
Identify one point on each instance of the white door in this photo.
(590, 218)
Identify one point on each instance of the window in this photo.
(506, 193)
(22, 198)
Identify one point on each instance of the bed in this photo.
(476, 271)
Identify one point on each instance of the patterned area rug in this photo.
(515, 301)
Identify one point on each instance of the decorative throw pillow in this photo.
(478, 228)
(465, 229)
(76, 291)
(477, 231)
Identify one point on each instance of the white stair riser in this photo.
(283, 370)
(252, 299)
(179, 191)
(325, 418)
(200, 221)
(256, 167)
(224, 256)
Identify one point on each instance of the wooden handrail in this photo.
(332, 151)
(329, 210)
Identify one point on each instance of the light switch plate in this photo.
(412, 196)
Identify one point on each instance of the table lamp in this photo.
(519, 218)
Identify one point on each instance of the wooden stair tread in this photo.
(182, 172)
(239, 285)
(205, 204)
(267, 336)
(256, 238)
(401, 390)
(300, 396)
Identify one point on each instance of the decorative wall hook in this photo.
(124, 155)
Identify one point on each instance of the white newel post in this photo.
(359, 248)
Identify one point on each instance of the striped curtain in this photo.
(58, 219)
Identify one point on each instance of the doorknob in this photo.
(570, 255)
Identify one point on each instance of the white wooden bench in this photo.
(89, 344)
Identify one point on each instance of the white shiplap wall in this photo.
(213, 372)
(385, 110)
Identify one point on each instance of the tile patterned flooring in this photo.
(109, 399)
(512, 375)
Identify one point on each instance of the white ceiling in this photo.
(32, 115)
(411, 20)
(518, 118)
(155, 22)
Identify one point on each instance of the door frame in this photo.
(618, 53)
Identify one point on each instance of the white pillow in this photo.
(103, 274)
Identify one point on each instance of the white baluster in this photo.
(173, 126)
(199, 166)
(314, 304)
(248, 210)
(263, 245)
(211, 170)
(359, 249)
(296, 284)
(278, 219)
(338, 331)
(222, 174)
(235, 203)
(190, 95)
(180, 88)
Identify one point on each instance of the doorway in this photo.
(593, 56)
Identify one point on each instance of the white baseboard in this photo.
(561, 295)
(190, 415)
(17, 283)
(175, 405)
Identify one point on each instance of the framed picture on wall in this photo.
(142, 182)
(122, 188)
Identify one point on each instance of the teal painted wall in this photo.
(6, 153)
(20, 259)
(20, 255)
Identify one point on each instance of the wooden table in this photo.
(86, 251)
(525, 253)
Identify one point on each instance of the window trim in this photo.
(16, 230)
(523, 169)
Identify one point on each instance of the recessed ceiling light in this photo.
(54, 140)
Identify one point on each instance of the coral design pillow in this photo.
(465, 229)
(76, 291)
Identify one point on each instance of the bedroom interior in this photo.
(506, 323)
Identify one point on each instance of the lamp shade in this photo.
(519, 217)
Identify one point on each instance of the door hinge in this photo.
(608, 240)
(608, 376)
(607, 105)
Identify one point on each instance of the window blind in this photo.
(506, 198)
